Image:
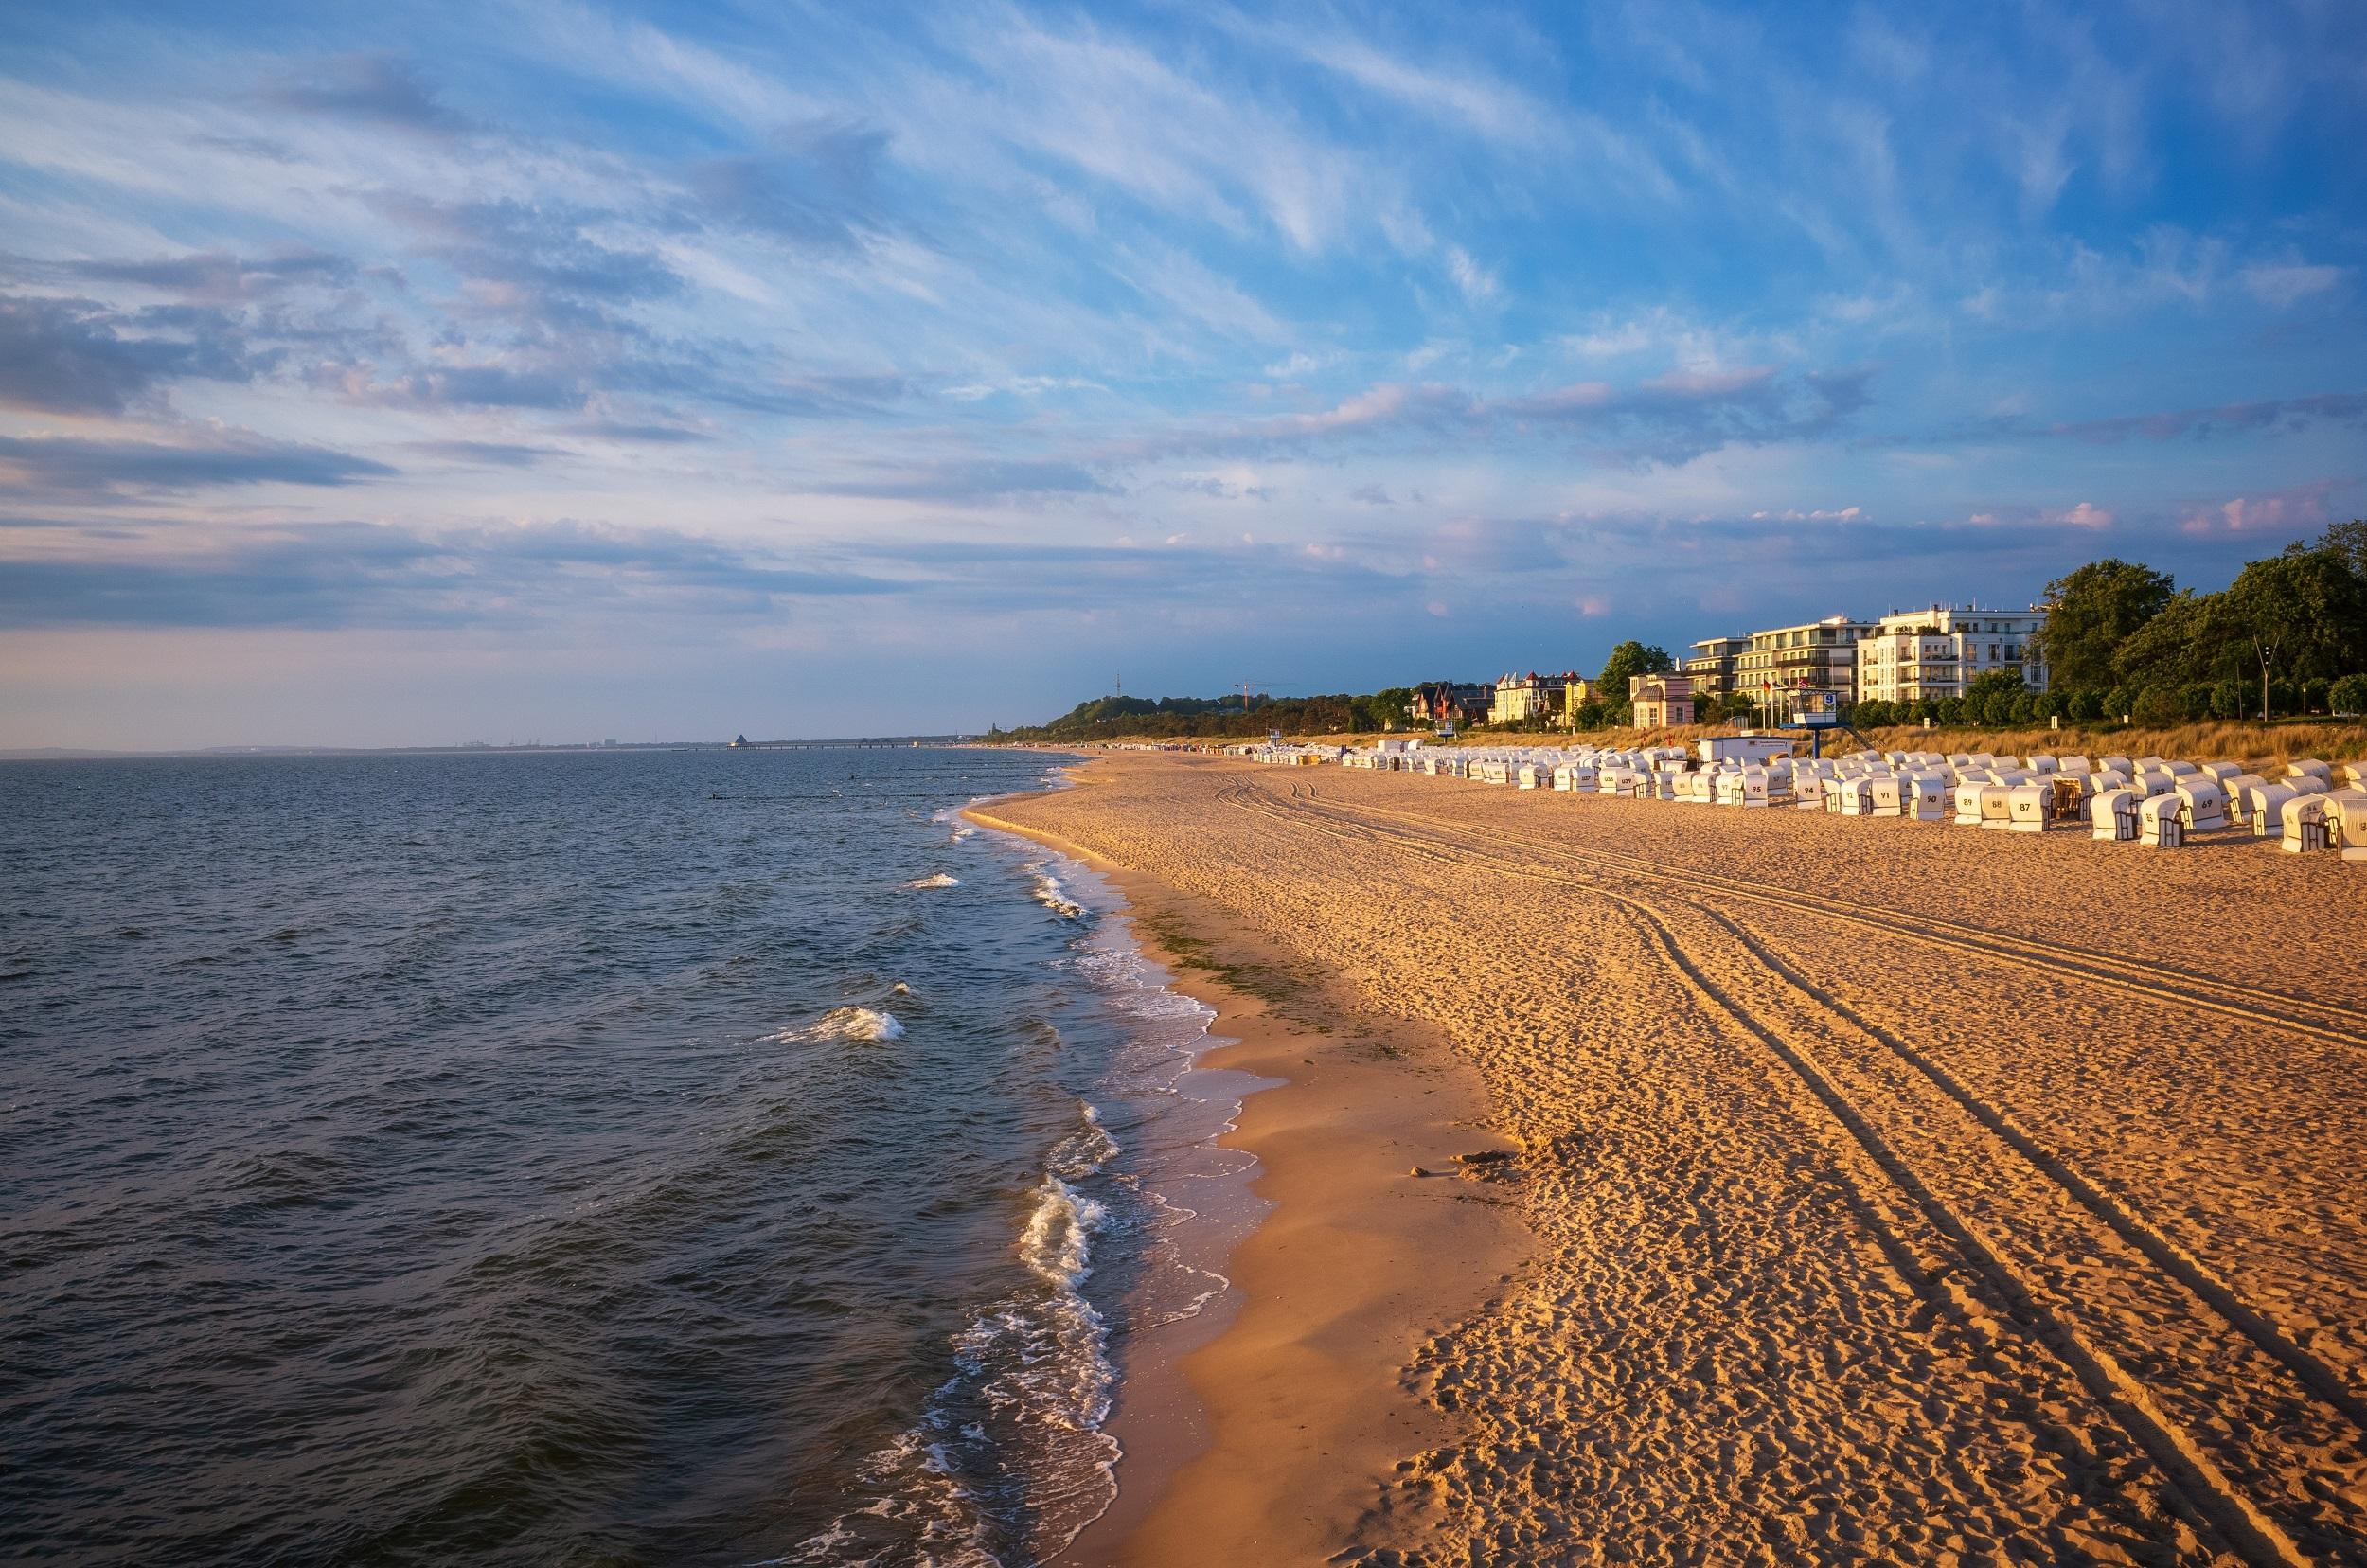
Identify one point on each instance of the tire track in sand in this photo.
(2335, 1024)
(2096, 1282)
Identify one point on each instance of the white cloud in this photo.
(1477, 283)
(2284, 285)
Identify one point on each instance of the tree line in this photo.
(2123, 641)
(1219, 718)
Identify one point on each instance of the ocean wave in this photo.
(1055, 897)
(846, 1023)
(1009, 1461)
(940, 879)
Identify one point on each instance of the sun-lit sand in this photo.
(1891, 1191)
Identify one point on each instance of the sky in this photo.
(536, 370)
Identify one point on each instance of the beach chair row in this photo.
(2157, 802)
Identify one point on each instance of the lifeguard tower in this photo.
(1815, 710)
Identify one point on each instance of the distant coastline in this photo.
(466, 748)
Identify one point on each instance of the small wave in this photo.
(1055, 897)
(846, 1023)
(1009, 1461)
(962, 832)
(940, 879)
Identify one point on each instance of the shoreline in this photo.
(1270, 1427)
(1869, 1217)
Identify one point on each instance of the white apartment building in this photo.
(1936, 652)
(1785, 658)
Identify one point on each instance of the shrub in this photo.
(2055, 704)
(2087, 706)
(2349, 695)
(2159, 705)
(1952, 710)
(2120, 703)
(1875, 714)
(2028, 708)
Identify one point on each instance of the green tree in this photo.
(2349, 695)
(1628, 659)
(2090, 612)
(2349, 541)
(2301, 615)
(2186, 641)
(1989, 699)
(2087, 706)
(1386, 709)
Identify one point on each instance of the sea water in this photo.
(696, 1156)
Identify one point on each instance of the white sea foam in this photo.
(848, 1024)
(1024, 1413)
(1055, 897)
(940, 879)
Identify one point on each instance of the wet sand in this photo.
(1884, 1191)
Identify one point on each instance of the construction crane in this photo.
(1249, 687)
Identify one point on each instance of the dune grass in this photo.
(2214, 740)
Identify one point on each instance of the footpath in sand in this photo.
(1896, 1193)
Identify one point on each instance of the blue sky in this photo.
(413, 373)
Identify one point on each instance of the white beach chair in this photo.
(1926, 798)
(2162, 821)
(2206, 803)
(2264, 806)
(2306, 825)
(2112, 815)
(2346, 811)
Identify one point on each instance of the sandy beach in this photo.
(1877, 1191)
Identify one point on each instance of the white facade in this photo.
(1939, 652)
(1785, 658)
